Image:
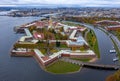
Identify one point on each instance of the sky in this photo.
(89, 3)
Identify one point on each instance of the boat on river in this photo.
(113, 51)
(115, 59)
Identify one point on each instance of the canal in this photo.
(105, 45)
(27, 69)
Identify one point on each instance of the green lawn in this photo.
(96, 49)
(43, 51)
(82, 59)
(53, 50)
(63, 46)
(61, 67)
(41, 44)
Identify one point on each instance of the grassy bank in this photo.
(61, 67)
(63, 46)
(92, 40)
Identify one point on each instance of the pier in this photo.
(92, 65)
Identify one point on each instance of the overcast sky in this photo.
(78, 2)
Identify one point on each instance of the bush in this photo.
(114, 77)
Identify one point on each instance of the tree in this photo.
(65, 37)
(32, 28)
(48, 35)
(114, 77)
(111, 78)
(61, 29)
(57, 43)
(82, 48)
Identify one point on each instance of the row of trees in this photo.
(17, 45)
(58, 36)
(32, 28)
(91, 38)
(114, 77)
(90, 20)
(118, 34)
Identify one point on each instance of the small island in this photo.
(57, 45)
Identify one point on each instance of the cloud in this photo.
(78, 2)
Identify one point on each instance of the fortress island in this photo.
(54, 43)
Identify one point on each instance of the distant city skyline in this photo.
(84, 3)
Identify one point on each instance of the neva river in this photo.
(27, 69)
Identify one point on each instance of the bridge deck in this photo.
(92, 65)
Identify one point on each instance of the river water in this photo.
(27, 69)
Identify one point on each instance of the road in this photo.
(116, 41)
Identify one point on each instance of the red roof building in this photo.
(40, 24)
(116, 27)
(108, 22)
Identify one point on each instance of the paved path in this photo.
(71, 61)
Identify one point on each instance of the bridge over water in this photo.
(92, 65)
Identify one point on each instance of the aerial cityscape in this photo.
(47, 40)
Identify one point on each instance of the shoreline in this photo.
(44, 68)
(94, 59)
(64, 73)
